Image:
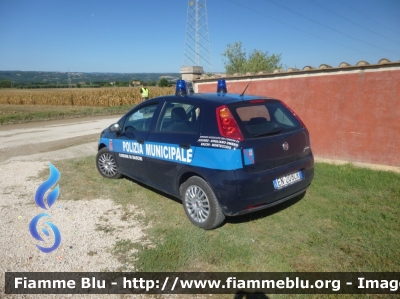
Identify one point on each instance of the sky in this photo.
(139, 36)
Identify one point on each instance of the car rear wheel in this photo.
(106, 165)
(200, 203)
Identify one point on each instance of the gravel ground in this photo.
(84, 247)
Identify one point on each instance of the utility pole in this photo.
(69, 81)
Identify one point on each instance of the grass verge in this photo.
(13, 114)
(348, 221)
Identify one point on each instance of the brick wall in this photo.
(352, 113)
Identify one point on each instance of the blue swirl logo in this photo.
(40, 201)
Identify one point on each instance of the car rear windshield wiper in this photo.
(272, 132)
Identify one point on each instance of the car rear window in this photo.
(268, 118)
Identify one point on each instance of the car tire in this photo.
(106, 164)
(200, 203)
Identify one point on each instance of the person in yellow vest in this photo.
(144, 92)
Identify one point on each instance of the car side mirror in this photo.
(115, 127)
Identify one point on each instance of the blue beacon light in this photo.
(221, 87)
(180, 88)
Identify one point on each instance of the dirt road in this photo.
(25, 150)
(27, 139)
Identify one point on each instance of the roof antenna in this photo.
(245, 89)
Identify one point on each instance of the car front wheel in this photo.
(106, 165)
(200, 203)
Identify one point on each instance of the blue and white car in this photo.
(221, 154)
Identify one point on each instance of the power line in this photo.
(305, 31)
(330, 28)
(349, 20)
(368, 17)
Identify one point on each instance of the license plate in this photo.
(287, 180)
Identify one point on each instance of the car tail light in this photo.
(227, 124)
(298, 118)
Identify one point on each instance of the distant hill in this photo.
(77, 77)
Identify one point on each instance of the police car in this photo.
(221, 154)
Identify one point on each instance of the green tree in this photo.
(239, 62)
(5, 84)
(236, 58)
(163, 82)
(261, 61)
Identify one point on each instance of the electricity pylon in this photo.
(197, 42)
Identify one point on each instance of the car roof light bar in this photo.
(180, 89)
(221, 86)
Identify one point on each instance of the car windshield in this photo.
(265, 119)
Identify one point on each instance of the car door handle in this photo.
(141, 141)
(184, 145)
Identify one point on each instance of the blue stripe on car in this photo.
(215, 158)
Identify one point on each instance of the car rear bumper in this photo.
(255, 191)
(271, 204)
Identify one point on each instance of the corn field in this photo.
(103, 97)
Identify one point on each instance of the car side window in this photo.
(140, 120)
(179, 118)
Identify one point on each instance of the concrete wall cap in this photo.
(191, 70)
(308, 67)
(325, 66)
(383, 61)
(361, 63)
(344, 64)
